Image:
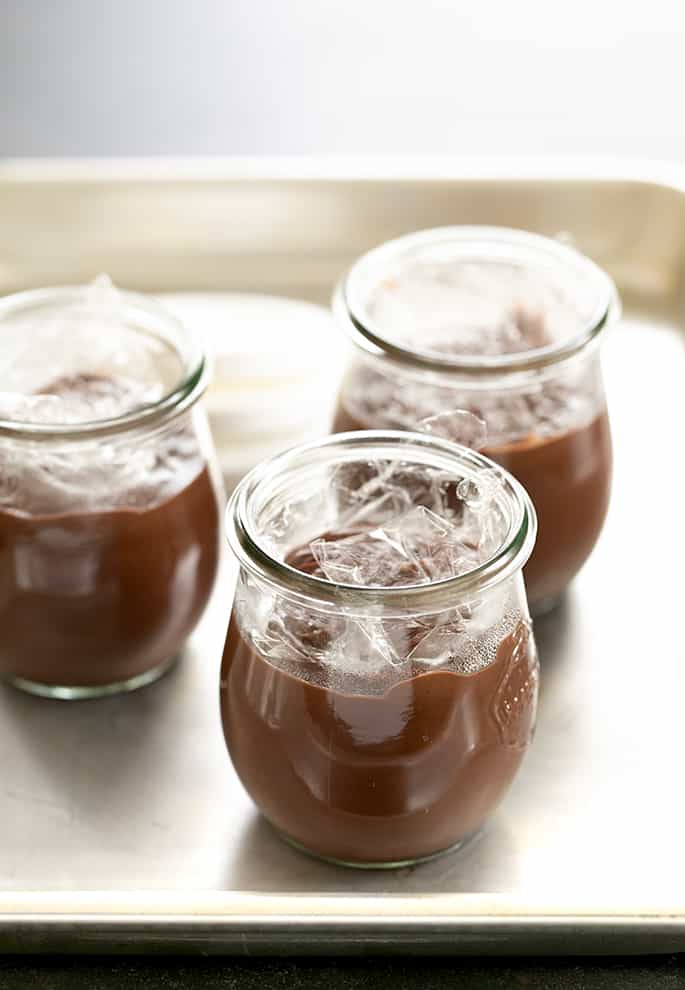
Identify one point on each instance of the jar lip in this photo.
(251, 553)
(176, 401)
(370, 337)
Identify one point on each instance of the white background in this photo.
(141, 77)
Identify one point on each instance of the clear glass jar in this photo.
(109, 505)
(379, 724)
(503, 325)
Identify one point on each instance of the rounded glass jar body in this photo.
(373, 726)
(542, 407)
(109, 529)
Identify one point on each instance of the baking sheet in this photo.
(122, 824)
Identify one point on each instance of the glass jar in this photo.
(379, 724)
(109, 506)
(503, 326)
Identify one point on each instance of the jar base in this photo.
(84, 692)
(398, 864)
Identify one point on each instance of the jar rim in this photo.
(501, 242)
(252, 554)
(135, 307)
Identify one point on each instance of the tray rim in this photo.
(658, 173)
(247, 923)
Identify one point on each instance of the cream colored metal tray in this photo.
(122, 825)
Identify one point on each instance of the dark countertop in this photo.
(102, 973)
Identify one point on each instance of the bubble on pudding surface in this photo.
(462, 644)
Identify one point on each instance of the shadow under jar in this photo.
(109, 509)
(490, 337)
(379, 678)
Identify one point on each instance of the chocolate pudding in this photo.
(503, 326)
(382, 765)
(108, 551)
(568, 477)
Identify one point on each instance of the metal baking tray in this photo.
(122, 825)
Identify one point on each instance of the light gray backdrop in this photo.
(119, 77)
